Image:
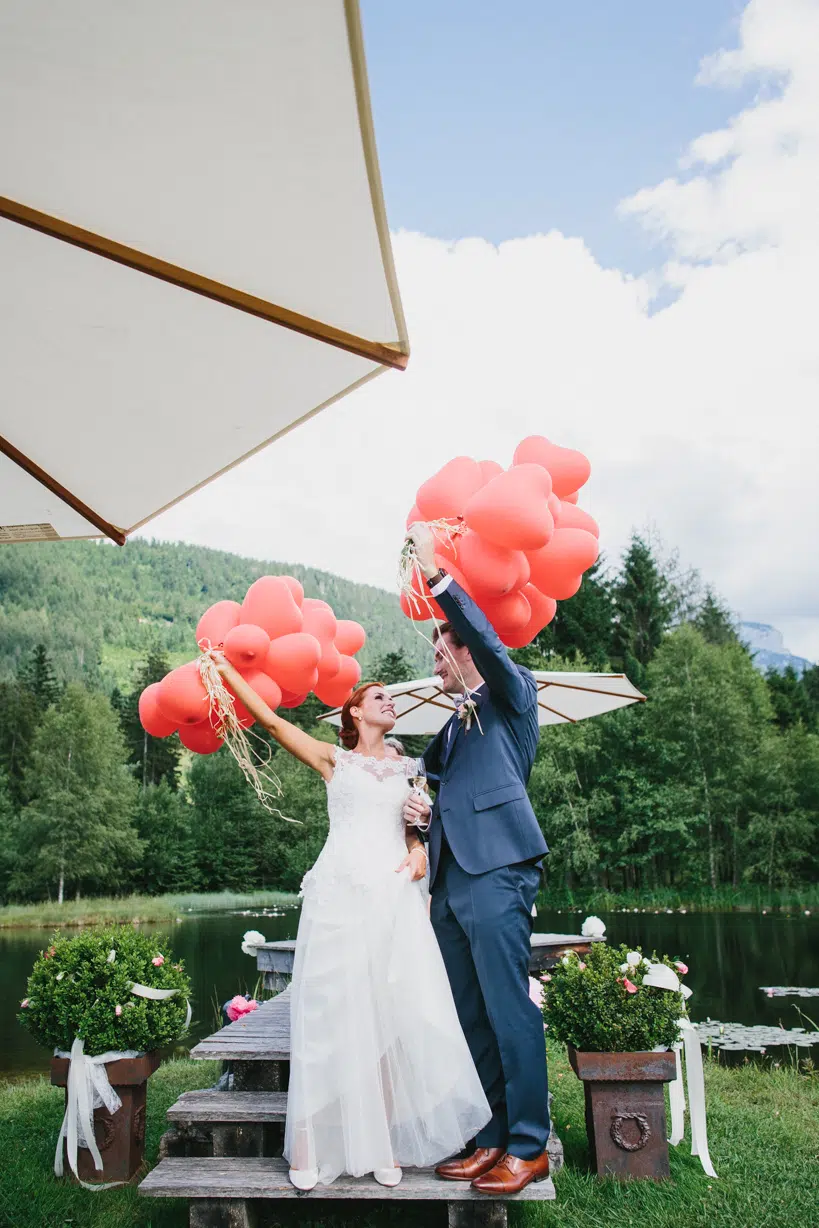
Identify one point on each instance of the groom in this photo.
(485, 850)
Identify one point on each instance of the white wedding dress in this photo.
(380, 1072)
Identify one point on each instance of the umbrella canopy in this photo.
(194, 247)
(562, 698)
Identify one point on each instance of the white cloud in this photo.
(700, 417)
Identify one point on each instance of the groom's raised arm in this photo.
(506, 682)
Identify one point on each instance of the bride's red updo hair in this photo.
(348, 734)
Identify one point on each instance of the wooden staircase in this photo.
(223, 1150)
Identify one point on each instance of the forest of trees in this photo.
(714, 781)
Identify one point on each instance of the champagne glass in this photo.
(417, 776)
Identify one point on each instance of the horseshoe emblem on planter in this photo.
(617, 1120)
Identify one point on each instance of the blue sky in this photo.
(505, 120)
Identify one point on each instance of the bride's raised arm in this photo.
(320, 756)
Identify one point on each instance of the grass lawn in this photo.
(137, 908)
(764, 1136)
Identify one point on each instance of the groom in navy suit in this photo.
(486, 848)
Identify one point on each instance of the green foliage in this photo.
(643, 607)
(714, 621)
(587, 1004)
(582, 626)
(76, 987)
(392, 667)
(164, 821)
(77, 828)
(155, 759)
(795, 699)
(99, 609)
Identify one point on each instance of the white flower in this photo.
(646, 962)
(593, 927)
(565, 960)
(59, 976)
(251, 940)
(112, 955)
(625, 967)
(633, 958)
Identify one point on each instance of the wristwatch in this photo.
(437, 578)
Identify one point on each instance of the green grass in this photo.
(694, 899)
(137, 908)
(763, 1132)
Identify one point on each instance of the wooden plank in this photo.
(261, 1036)
(216, 1106)
(267, 1178)
(546, 949)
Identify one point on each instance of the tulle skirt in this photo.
(380, 1072)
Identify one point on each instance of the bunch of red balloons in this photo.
(514, 538)
(283, 643)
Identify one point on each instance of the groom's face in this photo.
(445, 652)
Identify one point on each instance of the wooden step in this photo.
(262, 1036)
(267, 1178)
(219, 1107)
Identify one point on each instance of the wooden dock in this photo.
(223, 1150)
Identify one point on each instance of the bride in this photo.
(380, 1072)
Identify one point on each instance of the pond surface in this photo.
(730, 956)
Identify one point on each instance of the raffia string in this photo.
(412, 584)
(223, 718)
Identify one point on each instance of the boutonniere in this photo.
(467, 712)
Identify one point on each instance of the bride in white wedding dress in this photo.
(380, 1072)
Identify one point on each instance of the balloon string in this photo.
(225, 721)
(409, 571)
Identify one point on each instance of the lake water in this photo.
(730, 955)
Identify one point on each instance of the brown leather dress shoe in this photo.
(511, 1175)
(468, 1169)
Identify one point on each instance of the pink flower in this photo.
(546, 977)
(628, 986)
(535, 992)
(51, 951)
(158, 961)
(581, 965)
(681, 967)
(118, 1010)
(770, 993)
(24, 1003)
(238, 1007)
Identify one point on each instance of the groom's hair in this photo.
(447, 629)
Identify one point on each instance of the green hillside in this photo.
(98, 608)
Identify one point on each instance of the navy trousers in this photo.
(483, 923)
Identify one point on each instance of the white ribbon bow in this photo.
(88, 1089)
(660, 976)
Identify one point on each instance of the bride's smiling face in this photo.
(376, 709)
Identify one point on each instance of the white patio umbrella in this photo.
(194, 251)
(563, 698)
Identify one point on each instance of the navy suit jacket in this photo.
(482, 804)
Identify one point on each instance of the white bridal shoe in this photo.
(388, 1176)
(303, 1178)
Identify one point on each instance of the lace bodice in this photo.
(366, 841)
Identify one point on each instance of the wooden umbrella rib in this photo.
(57, 488)
(57, 228)
(592, 690)
(570, 719)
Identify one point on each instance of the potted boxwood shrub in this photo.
(619, 1031)
(105, 1001)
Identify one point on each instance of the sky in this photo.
(606, 227)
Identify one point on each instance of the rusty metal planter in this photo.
(120, 1136)
(625, 1111)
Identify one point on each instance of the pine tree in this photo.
(164, 821)
(37, 676)
(156, 759)
(790, 698)
(643, 606)
(77, 829)
(8, 835)
(714, 621)
(582, 626)
(19, 717)
(392, 667)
